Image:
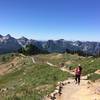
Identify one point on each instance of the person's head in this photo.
(79, 65)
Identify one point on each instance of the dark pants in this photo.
(77, 79)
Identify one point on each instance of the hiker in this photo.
(60, 88)
(78, 71)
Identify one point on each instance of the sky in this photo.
(51, 19)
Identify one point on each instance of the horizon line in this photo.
(51, 39)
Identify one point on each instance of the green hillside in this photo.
(30, 81)
(89, 64)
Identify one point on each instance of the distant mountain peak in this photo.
(23, 38)
(61, 39)
(9, 44)
(8, 35)
(1, 36)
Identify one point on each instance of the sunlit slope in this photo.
(30, 81)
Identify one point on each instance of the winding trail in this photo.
(50, 64)
(64, 69)
(71, 91)
(33, 60)
(85, 91)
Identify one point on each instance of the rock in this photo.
(84, 77)
(22, 84)
(98, 90)
(3, 89)
(68, 82)
(89, 82)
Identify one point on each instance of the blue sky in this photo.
(51, 19)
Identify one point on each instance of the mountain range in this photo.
(11, 44)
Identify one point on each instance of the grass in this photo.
(94, 77)
(31, 82)
(4, 58)
(34, 81)
(53, 58)
(89, 64)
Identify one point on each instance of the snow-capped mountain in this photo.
(10, 44)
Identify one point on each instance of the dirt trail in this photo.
(33, 60)
(50, 64)
(64, 69)
(98, 71)
(81, 92)
(85, 91)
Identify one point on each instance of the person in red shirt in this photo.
(78, 72)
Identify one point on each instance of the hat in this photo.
(79, 64)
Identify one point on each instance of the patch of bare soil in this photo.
(8, 67)
(57, 56)
(97, 72)
(85, 91)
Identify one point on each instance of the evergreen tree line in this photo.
(82, 53)
(31, 50)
